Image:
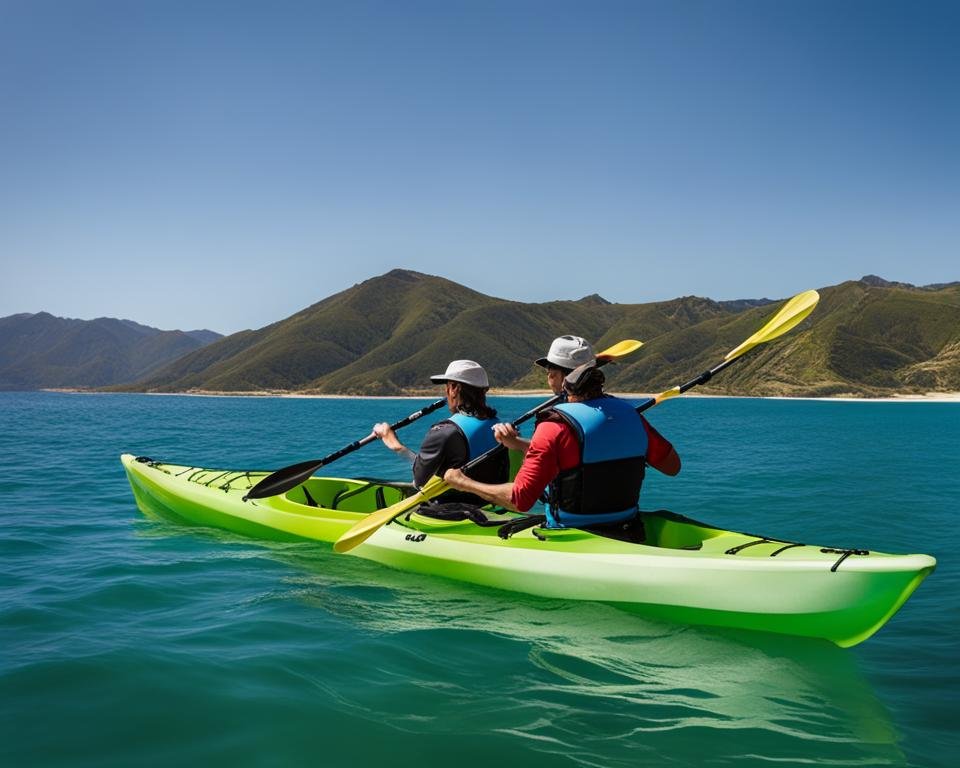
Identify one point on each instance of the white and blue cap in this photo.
(464, 371)
(568, 352)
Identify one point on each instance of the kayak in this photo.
(679, 570)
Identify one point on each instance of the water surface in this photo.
(133, 642)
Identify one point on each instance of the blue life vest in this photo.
(461, 439)
(480, 439)
(605, 487)
(479, 433)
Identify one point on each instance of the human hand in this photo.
(454, 478)
(507, 435)
(383, 431)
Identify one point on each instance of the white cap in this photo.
(464, 371)
(568, 352)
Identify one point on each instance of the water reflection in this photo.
(584, 680)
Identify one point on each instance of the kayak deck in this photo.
(681, 570)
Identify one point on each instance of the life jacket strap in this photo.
(557, 518)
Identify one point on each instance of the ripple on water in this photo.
(148, 643)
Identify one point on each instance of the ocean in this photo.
(131, 642)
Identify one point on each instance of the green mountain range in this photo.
(40, 350)
(388, 334)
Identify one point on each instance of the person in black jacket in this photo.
(453, 442)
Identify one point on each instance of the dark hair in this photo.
(586, 384)
(473, 402)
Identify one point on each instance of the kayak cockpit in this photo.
(360, 495)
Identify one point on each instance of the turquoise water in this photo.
(132, 642)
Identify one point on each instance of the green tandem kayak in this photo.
(682, 571)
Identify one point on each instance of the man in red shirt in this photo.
(557, 449)
(566, 353)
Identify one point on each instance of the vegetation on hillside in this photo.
(40, 350)
(388, 334)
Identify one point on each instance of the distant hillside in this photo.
(387, 334)
(863, 339)
(40, 350)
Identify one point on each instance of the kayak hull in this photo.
(684, 571)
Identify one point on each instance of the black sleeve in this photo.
(444, 446)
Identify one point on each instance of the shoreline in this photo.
(928, 397)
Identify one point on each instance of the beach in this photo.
(926, 397)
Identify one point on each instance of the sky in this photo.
(225, 164)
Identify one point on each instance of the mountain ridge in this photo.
(40, 350)
(386, 335)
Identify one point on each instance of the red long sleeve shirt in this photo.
(554, 448)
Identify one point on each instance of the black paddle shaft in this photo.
(290, 477)
(703, 378)
(518, 421)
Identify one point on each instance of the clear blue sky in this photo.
(225, 164)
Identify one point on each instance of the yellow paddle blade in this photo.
(666, 395)
(790, 314)
(376, 520)
(620, 349)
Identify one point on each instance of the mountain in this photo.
(40, 350)
(865, 338)
(388, 334)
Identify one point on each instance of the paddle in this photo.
(793, 312)
(435, 486)
(790, 314)
(290, 477)
(284, 479)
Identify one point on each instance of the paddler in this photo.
(565, 354)
(452, 442)
(588, 454)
